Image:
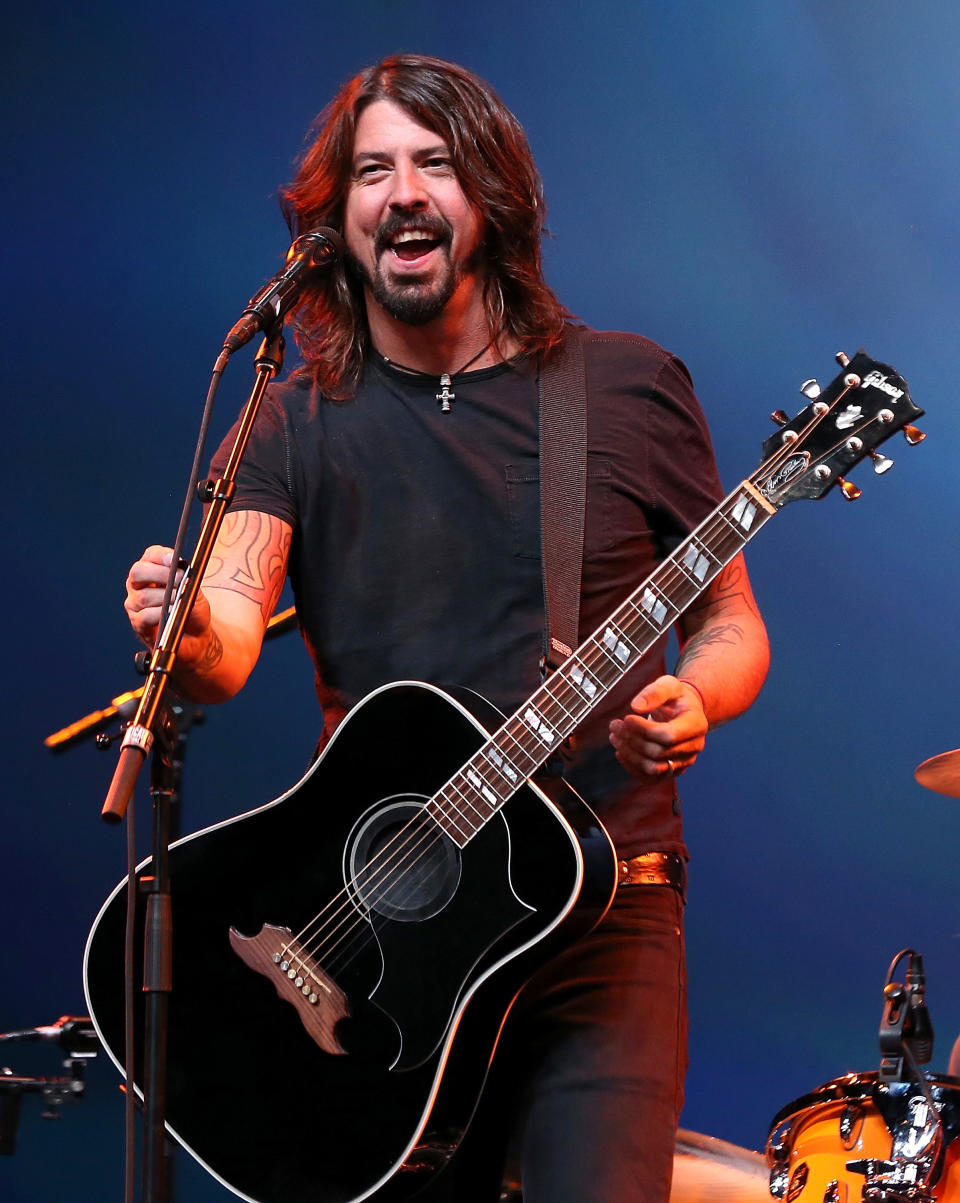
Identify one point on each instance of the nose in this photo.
(408, 191)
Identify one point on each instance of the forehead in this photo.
(385, 126)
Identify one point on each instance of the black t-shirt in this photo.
(416, 535)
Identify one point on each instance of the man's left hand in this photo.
(664, 732)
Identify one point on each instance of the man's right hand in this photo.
(146, 582)
(241, 586)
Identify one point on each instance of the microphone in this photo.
(317, 248)
(74, 1033)
(918, 1032)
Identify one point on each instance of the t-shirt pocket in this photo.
(523, 503)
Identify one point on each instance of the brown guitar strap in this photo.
(562, 387)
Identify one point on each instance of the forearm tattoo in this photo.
(259, 560)
(730, 598)
(730, 633)
(727, 591)
(213, 653)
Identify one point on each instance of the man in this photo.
(410, 530)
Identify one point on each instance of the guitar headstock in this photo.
(843, 424)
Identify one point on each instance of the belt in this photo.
(654, 869)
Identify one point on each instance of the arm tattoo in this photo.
(213, 654)
(697, 646)
(259, 560)
(727, 589)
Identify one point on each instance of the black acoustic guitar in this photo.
(344, 956)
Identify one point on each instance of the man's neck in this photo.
(445, 344)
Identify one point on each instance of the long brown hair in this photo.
(492, 159)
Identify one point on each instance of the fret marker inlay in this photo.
(579, 677)
(696, 564)
(501, 763)
(536, 723)
(653, 606)
(616, 645)
(744, 512)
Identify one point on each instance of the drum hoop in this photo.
(846, 1088)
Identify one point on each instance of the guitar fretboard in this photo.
(537, 730)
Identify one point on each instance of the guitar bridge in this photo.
(298, 980)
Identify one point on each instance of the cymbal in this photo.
(941, 773)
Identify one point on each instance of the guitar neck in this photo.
(536, 731)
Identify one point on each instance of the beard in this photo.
(411, 300)
(414, 302)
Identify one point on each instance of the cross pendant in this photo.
(445, 396)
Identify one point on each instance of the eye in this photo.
(369, 170)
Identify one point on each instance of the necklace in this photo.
(446, 395)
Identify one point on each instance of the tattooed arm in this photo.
(723, 661)
(240, 589)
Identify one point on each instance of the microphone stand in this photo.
(154, 728)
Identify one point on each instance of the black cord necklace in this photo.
(446, 395)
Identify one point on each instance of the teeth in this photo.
(409, 236)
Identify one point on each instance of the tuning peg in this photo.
(913, 436)
(779, 417)
(842, 358)
(811, 389)
(881, 463)
(849, 489)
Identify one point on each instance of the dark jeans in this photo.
(587, 1082)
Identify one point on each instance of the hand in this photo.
(664, 731)
(146, 582)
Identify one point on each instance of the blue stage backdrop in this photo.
(755, 185)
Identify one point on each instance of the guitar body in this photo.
(315, 1003)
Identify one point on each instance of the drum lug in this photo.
(779, 1179)
(778, 1149)
(851, 1125)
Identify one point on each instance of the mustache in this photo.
(422, 223)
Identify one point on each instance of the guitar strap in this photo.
(562, 388)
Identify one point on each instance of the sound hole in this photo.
(401, 864)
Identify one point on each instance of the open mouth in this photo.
(410, 242)
(411, 245)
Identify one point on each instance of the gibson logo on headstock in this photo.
(875, 380)
(785, 473)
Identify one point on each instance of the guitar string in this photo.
(432, 832)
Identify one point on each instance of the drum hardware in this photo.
(78, 1040)
(884, 1137)
(896, 1150)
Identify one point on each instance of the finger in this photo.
(647, 758)
(665, 690)
(148, 574)
(144, 598)
(686, 733)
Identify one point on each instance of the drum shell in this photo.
(852, 1119)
